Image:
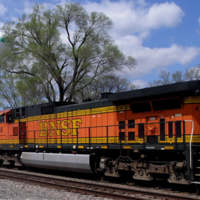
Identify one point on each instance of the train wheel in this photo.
(197, 188)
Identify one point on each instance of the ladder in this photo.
(196, 164)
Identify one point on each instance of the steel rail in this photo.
(109, 190)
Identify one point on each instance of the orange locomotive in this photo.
(142, 134)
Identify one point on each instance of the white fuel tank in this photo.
(67, 162)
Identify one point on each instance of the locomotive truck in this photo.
(142, 134)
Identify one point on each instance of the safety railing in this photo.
(172, 132)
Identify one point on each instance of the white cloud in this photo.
(2, 9)
(1, 25)
(133, 22)
(154, 58)
(164, 14)
(149, 59)
(140, 83)
(128, 17)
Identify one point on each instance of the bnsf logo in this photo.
(60, 127)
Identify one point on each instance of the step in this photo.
(197, 175)
(196, 182)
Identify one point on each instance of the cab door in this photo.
(162, 129)
(22, 132)
(152, 130)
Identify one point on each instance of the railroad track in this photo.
(108, 190)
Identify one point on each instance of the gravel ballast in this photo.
(13, 190)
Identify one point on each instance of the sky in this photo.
(159, 34)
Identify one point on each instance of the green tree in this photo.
(7, 90)
(61, 50)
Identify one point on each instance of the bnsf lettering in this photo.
(60, 127)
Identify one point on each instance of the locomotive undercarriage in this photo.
(10, 158)
(147, 166)
(127, 164)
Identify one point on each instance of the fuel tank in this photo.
(58, 161)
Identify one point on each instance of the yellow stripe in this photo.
(168, 147)
(111, 140)
(103, 140)
(192, 99)
(75, 113)
(13, 141)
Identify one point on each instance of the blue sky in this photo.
(161, 35)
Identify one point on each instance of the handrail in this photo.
(190, 144)
(106, 131)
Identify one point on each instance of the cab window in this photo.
(2, 118)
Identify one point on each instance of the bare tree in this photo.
(166, 77)
(104, 84)
(63, 50)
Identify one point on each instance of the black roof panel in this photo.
(178, 89)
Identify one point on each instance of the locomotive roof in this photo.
(176, 89)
